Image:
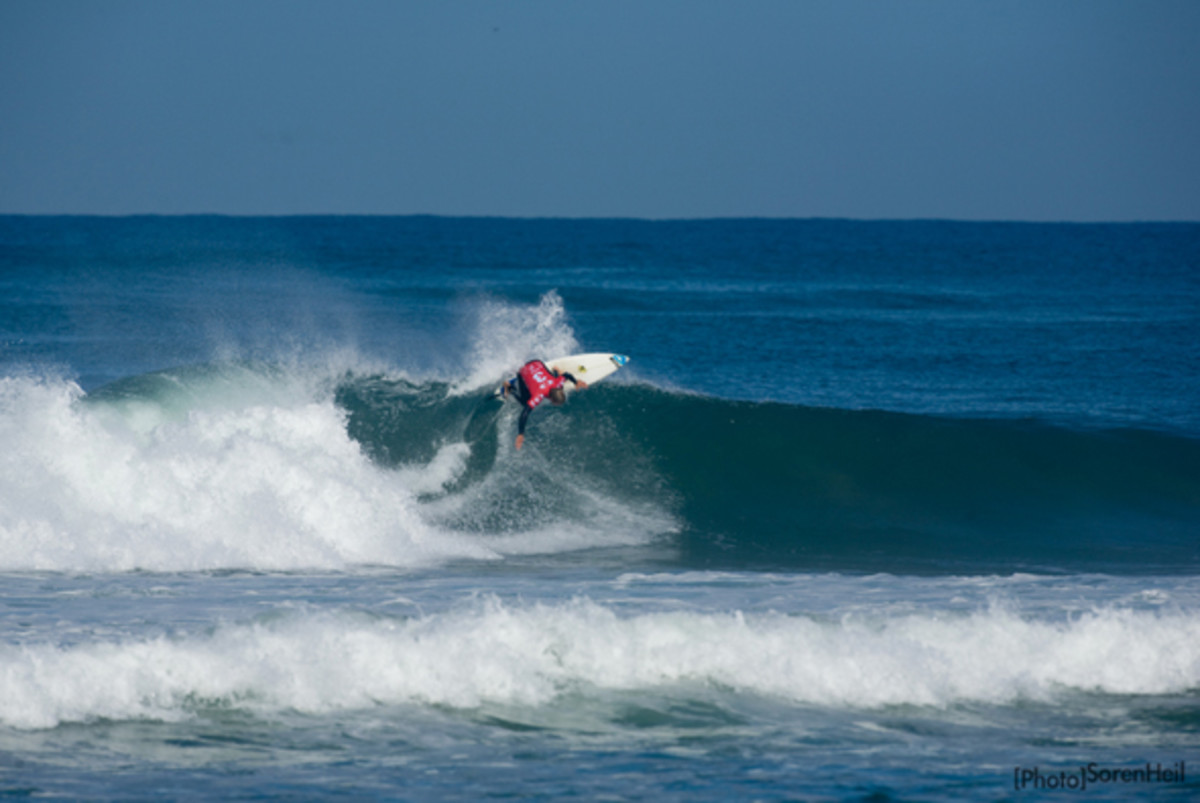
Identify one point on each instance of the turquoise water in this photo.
(887, 510)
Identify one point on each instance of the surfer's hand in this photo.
(520, 442)
(581, 385)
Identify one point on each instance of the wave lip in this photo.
(494, 653)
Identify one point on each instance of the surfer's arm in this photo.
(577, 383)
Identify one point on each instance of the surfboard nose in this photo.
(620, 359)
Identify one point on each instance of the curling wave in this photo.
(779, 485)
(221, 466)
(258, 467)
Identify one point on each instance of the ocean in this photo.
(877, 511)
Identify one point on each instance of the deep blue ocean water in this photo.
(878, 510)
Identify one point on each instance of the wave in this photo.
(787, 485)
(250, 466)
(775, 485)
(491, 653)
(265, 467)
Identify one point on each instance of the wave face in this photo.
(769, 485)
(777, 484)
(250, 466)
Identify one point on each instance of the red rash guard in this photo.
(539, 380)
(534, 383)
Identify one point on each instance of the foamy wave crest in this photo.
(493, 653)
(274, 485)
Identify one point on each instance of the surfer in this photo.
(534, 383)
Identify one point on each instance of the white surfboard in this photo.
(588, 368)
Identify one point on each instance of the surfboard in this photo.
(590, 368)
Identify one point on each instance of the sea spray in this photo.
(507, 335)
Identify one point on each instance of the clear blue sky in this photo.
(969, 109)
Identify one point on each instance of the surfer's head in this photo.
(558, 396)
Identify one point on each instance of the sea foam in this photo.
(492, 652)
(271, 485)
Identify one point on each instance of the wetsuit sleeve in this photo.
(521, 421)
(566, 375)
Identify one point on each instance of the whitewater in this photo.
(864, 517)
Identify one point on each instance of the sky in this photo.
(1042, 110)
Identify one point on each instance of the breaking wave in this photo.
(491, 653)
(252, 466)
